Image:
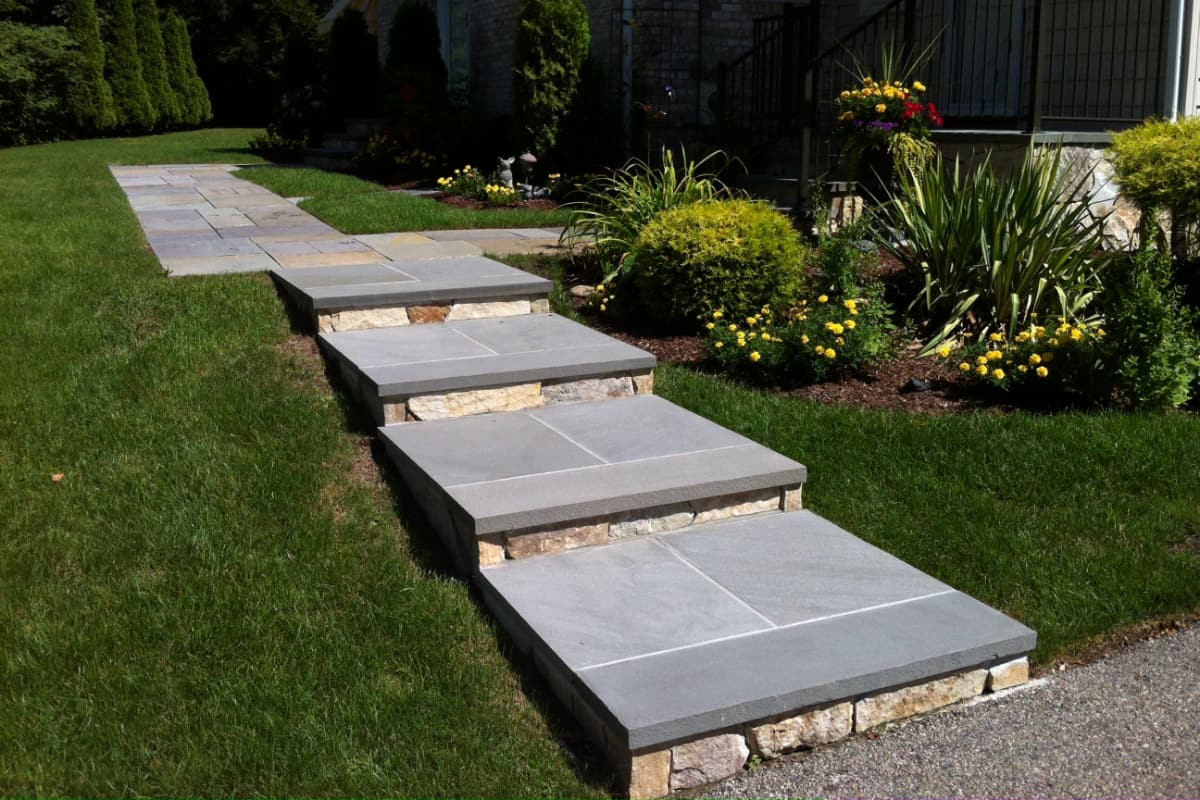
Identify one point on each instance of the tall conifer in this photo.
(91, 98)
(123, 69)
(154, 63)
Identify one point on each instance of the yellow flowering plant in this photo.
(1062, 359)
(466, 181)
(501, 195)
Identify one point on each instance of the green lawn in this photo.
(353, 205)
(1064, 521)
(218, 597)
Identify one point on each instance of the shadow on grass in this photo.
(428, 552)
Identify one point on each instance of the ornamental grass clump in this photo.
(991, 251)
(617, 207)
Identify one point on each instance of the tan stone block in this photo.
(539, 305)
(735, 505)
(707, 760)
(394, 413)
(1007, 675)
(792, 498)
(491, 550)
(476, 401)
(649, 775)
(643, 382)
(809, 729)
(587, 389)
(541, 542)
(505, 308)
(358, 319)
(888, 706)
(420, 315)
(654, 520)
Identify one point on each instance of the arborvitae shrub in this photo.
(91, 99)
(353, 75)
(123, 69)
(414, 72)
(152, 52)
(185, 82)
(553, 38)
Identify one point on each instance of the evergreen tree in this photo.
(353, 78)
(123, 69)
(190, 92)
(415, 72)
(553, 37)
(154, 63)
(91, 97)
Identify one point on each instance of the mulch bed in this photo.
(458, 201)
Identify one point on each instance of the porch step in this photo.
(684, 652)
(399, 292)
(476, 366)
(336, 159)
(548, 479)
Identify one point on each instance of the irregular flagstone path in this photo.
(657, 568)
(203, 220)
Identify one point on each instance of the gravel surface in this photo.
(1125, 726)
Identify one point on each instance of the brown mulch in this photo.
(458, 201)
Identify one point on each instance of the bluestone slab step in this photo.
(527, 360)
(675, 636)
(324, 293)
(576, 474)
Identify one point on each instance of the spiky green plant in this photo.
(991, 251)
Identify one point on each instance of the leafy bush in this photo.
(123, 69)
(553, 38)
(1157, 165)
(617, 206)
(414, 72)
(1067, 361)
(387, 156)
(152, 52)
(992, 251)
(734, 255)
(38, 68)
(1154, 350)
(90, 98)
(278, 148)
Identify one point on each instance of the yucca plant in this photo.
(993, 251)
(618, 206)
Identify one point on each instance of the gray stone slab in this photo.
(806, 568)
(348, 245)
(514, 493)
(467, 279)
(630, 598)
(475, 354)
(309, 231)
(218, 265)
(188, 221)
(468, 235)
(194, 245)
(573, 608)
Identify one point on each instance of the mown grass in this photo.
(1070, 522)
(217, 598)
(353, 205)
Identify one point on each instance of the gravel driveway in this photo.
(1125, 726)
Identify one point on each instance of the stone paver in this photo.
(203, 220)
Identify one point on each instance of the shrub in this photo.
(123, 69)
(38, 68)
(152, 53)
(617, 206)
(1157, 165)
(386, 156)
(414, 72)
(553, 38)
(90, 98)
(992, 251)
(1154, 352)
(353, 78)
(190, 91)
(466, 182)
(734, 255)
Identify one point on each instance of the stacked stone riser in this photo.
(358, 319)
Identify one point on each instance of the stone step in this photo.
(684, 653)
(399, 292)
(424, 372)
(334, 159)
(538, 481)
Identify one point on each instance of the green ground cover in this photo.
(353, 205)
(218, 597)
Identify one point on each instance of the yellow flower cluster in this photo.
(1029, 351)
(499, 189)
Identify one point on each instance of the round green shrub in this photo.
(732, 255)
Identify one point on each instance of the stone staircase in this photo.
(657, 568)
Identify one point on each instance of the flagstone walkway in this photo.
(657, 568)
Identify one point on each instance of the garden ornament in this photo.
(506, 175)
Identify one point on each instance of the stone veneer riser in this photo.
(357, 319)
